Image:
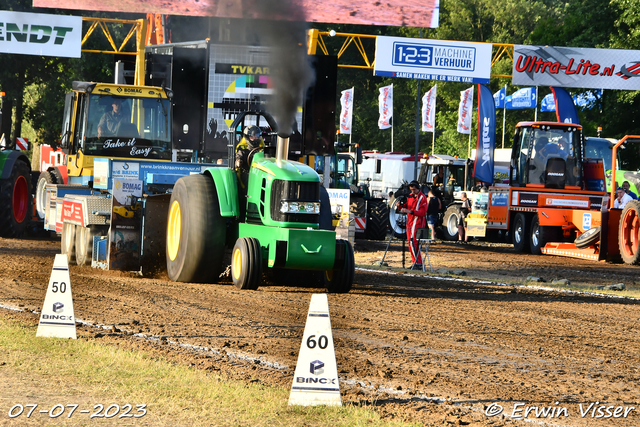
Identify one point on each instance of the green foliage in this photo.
(42, 81)
(579, 23)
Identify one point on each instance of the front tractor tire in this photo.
(628, 239)
(340, 279)
(540, 235)
(195, 231)
(246, 263)
(16, 202)
(521, 236)
(450, 223)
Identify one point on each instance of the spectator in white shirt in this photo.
(622, 198)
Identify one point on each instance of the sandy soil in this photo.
(416, 346)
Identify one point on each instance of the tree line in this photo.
(35, 86)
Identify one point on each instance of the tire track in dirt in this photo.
(400, 339)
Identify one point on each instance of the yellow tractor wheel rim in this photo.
(173, 230)
(329, 274)
(236, 263)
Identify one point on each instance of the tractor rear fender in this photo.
(227, 187)
(8, 159)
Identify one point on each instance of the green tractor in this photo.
(371, 211)
(278, 222)
(16, 201)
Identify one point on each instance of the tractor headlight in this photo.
(300, 207)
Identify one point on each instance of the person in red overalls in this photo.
(416, 210)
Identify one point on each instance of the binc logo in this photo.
(317, 367)
(57, 307)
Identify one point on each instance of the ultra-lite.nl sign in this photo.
(433, 60)
(40, 34)
(576, 67)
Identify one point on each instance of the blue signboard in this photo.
(433, 60)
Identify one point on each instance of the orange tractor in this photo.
(556, 201)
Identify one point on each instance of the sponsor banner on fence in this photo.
(427, 59)
(576, 67)
(40, 34)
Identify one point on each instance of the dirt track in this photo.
(429, 349)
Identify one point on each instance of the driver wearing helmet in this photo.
(251, 139)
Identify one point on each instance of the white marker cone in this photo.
(315, 381)
(57, 318)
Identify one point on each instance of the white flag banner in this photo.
(465, 111)
(346, 100)
(429, 110)
(385, 105)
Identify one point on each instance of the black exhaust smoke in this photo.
(280, 25)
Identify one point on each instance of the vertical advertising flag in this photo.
(385, 105)
(547, 104)
(465, 111)
(523, 98)
(499, 97)
(346, 100)
(483, 168)
(429, 110)
(566, 110)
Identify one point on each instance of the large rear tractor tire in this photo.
(520, 233)
(16, 202)
(45, 178)
(377, 220)
(450, 223)
(398, 220)
(246, 263)
(340, 279)
(540, 235)
(68, 241)
(195, 231)
(628, 239)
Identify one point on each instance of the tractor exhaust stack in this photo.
(282, 149)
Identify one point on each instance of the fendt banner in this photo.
(397, 13)
(576, 67)
(426, 59)
(40, 34)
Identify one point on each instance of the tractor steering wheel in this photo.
(251, 154)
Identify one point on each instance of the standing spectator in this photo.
(627, 190)
(392, 198)
(433, 209)
(416, 210)
(438, 179)
(465, 208)
(622, 198)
